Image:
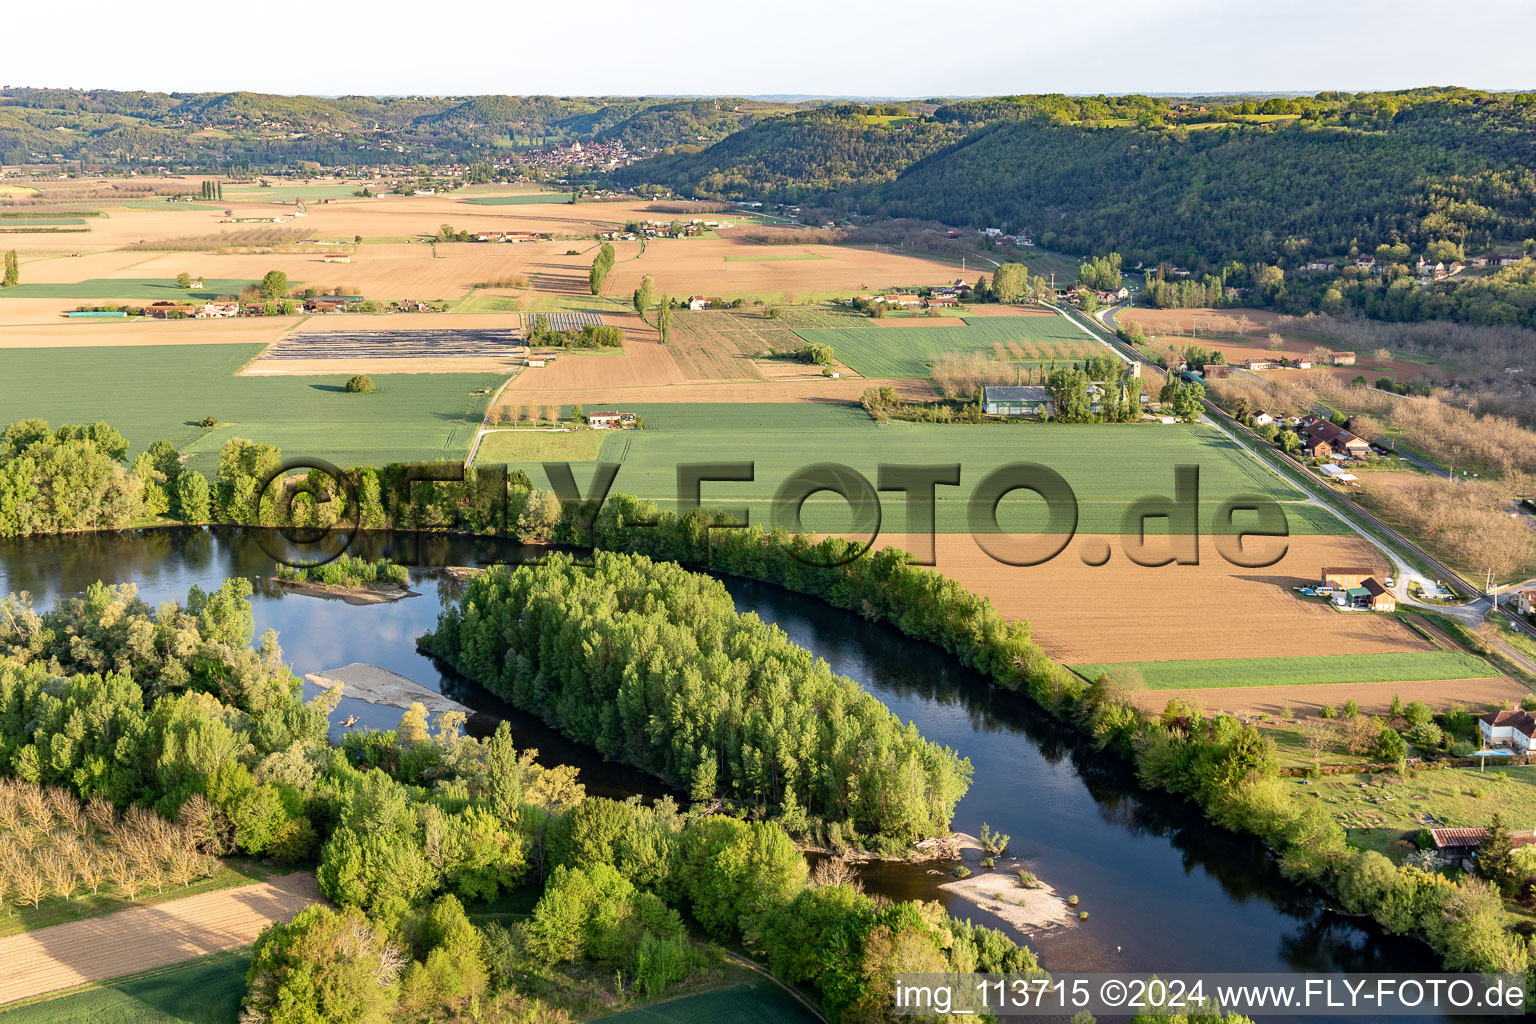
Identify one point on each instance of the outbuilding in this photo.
(1344, 577)
(1381, 599)
(1027, 400)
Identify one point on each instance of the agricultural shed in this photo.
(1347, 576)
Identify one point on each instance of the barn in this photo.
(1347, 576)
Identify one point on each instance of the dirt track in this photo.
(130, 941)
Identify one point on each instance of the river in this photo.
(1165, 890)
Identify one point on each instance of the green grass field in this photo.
(539, 446)
(907, 351)
(149, 392)
(769, 257)
(1394, 667)
(1045, 264)
(762, 1003)
(1379, 811)
(1108, 466)
(479, 302)
(32, 222)
(520, 199)
(148, 289)
(203, 991)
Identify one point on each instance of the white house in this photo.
(1515, 729)
(1262, 418)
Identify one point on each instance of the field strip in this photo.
(1304, 670)
(144, 938)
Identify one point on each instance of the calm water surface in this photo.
(1162, 885)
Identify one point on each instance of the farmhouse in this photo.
(1029, 400)
(703, 301)
(1525, 601)
(1317, 447)
(1382, 599)
(942, 301)
(1515, 729)
(1217, 371)
(1342, 359)
(219, 310)
(1319, 433)
(1260, 364)
(1345, 577)
(1262, 418)
(610, 420)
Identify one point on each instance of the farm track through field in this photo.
(142, 938)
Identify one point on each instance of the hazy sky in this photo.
(823, 47)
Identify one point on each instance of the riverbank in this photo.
(1032, 910)
(381, 686)
(373, 593)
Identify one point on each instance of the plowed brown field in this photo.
(1121, 611)
(135, 940)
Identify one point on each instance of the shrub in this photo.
(662, 962)
(1351, 708)
(208, 421)
(1028, 880)
(1425, 736)
(361, 384)
(1389, 745)
(1327, 711)
(961, 871)
(1072, 900)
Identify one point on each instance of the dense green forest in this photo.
(1157, 180)
(273, 132)
(650, 664)
(812, 153)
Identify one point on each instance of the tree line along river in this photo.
(1166, 890)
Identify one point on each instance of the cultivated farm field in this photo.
(1108, 466)
(528, 446)
(1124, 612)
(906, 351)
(162, 391)
(134, 940)
(207, 990)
